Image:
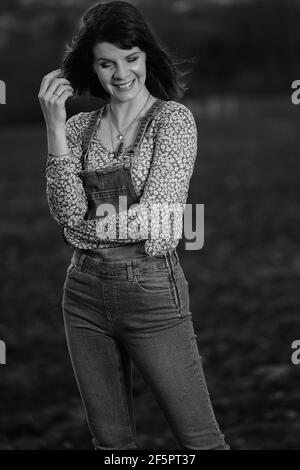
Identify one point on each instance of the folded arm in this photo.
(162, 202)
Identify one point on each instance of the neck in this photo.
(125, 111)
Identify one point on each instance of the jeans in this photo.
(125, 306)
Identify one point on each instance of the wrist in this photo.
(67, 154)
(56, 131)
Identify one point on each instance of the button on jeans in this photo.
(125, 306)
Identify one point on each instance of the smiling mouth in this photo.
(125, 86)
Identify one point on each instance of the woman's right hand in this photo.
(54, 92)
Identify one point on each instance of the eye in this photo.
(133, 59)
(105, 65)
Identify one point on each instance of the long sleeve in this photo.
(64, 190)
(170, 174)
(165, 191)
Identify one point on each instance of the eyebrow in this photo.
(108, 60)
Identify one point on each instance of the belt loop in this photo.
(171, 261)
(166, 259)
(81, 259)
(129, 270)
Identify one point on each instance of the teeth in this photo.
(125, 85)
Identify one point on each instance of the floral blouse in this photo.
(160, 175)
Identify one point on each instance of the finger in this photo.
(55, 84)
(64, 96)
(46, 80)
(64, 93)
(61, 74)
(61, 89)
(50, 75)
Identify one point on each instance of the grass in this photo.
(244, 288)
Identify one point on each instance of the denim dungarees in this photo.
(122, 306)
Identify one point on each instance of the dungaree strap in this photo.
(88, 134)
(145, 122)
(93, 123)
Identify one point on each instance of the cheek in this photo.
(103, 76)
(141, 70)
(104, 82)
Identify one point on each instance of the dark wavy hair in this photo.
(123, 25)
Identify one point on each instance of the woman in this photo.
(125, 294)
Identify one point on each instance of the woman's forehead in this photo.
(105, 50)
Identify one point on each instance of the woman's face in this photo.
(121, 72)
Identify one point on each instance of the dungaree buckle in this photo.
(80, 260)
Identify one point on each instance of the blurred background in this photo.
(244, 283)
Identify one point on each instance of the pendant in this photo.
(120, 137)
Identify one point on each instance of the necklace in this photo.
(117, 153)
(120, 136)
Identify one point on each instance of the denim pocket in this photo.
(182, 291)
(153, 282)
(180, 274)
(98, 200)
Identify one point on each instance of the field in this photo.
(244, 288)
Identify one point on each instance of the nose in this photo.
(121, 72)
